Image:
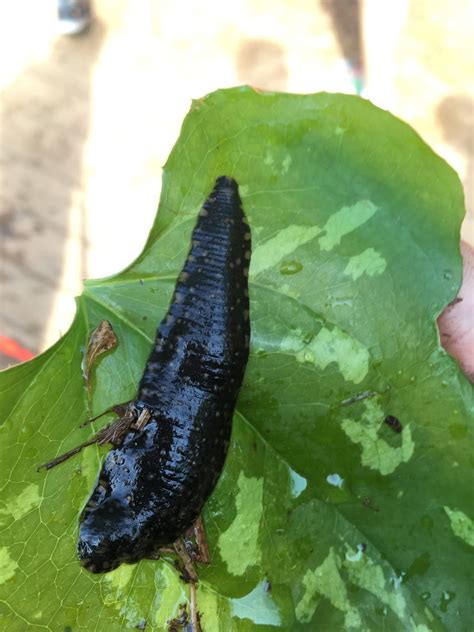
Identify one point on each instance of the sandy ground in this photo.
(87, 122)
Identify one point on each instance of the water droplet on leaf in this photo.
(446, 598)
(290, 267)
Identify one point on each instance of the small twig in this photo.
(358, 398)
(118, 409)
(142, 420)
(64, 457)
(185, 558)
(114, 434)
(101, 340)
(201, 541)
(196, 624)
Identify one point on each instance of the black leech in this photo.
(152, 488)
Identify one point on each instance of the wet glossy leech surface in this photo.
(153, 487)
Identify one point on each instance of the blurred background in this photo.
(87, 121)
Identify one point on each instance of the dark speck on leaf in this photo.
(141, 281)
(181, 622)
(267, 585)
(394, 423)
(368, 504)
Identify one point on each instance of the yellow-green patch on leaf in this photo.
(344, 221)
(461, 524)
(376, 452)
(238, 545)
(369, 262)
(286, 241)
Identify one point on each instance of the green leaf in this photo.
(325, 517)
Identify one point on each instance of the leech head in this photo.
(100, 547)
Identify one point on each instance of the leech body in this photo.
(153, 486)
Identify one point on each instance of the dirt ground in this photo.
(87, 122)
